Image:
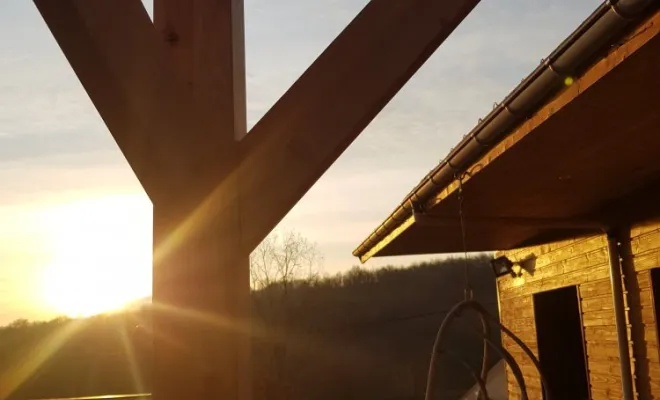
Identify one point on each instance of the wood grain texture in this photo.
(206, 42)
(205, 304)
(640, 254)
(583, 262)
(165, 135)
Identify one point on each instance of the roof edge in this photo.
(576, 53)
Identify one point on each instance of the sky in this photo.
(74, 221)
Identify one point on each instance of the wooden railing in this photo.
(139, 396)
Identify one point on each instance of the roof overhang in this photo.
(587, 160)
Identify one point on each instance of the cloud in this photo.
(34, 182)
(283, 38)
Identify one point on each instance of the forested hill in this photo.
(366, 334)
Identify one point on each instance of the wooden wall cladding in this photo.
(584, 263)
(640, 254)
(579, 262)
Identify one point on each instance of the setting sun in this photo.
(100, 254)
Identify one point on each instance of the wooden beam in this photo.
(201, 292)
(205, 39)
(181, 144)
(200, 266)
(334, 100)
(118, 57)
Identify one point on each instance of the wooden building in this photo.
(562, 179)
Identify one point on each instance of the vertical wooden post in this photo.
(201, 273)
(201, 290)
(206, 40)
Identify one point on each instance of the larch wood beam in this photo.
(207, 272)
(181, 144)
(334, 100)
(116, 53)
(206, 40)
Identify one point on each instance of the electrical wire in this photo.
(381, 322)
(468, 285)
(486, 319)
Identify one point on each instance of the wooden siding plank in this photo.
(647, 261)
(600, 303)
(644, 228)
(595, 288)
(648, 242)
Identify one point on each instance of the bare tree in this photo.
(280, 262)
(283, 259)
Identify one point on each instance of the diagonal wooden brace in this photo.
(334, 100)
(164, 133)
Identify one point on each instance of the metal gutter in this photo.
(613, 253)
(571, 57)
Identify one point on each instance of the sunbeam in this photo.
(153, 333)
(19, 373)
(131, 359)
(269, 334)
(213, 204)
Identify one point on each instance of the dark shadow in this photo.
(637, 332)
(529, 264)
(561, 343)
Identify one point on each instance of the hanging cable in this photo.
(486, 320)
(468, 291)
(438, 350)
(468, 286)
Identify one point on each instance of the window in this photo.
(561, 343)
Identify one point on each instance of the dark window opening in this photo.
(561, 343)
(655, 285)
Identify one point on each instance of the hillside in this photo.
(364, 334)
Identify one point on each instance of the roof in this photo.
(581, 158)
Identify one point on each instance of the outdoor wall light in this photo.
(503, 266)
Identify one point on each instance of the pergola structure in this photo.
(172, 94)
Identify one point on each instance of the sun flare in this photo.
(100, 254)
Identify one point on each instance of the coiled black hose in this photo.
(486, 319)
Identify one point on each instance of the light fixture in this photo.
(503, 266)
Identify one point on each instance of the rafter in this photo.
(334, 100)
(164, 133)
